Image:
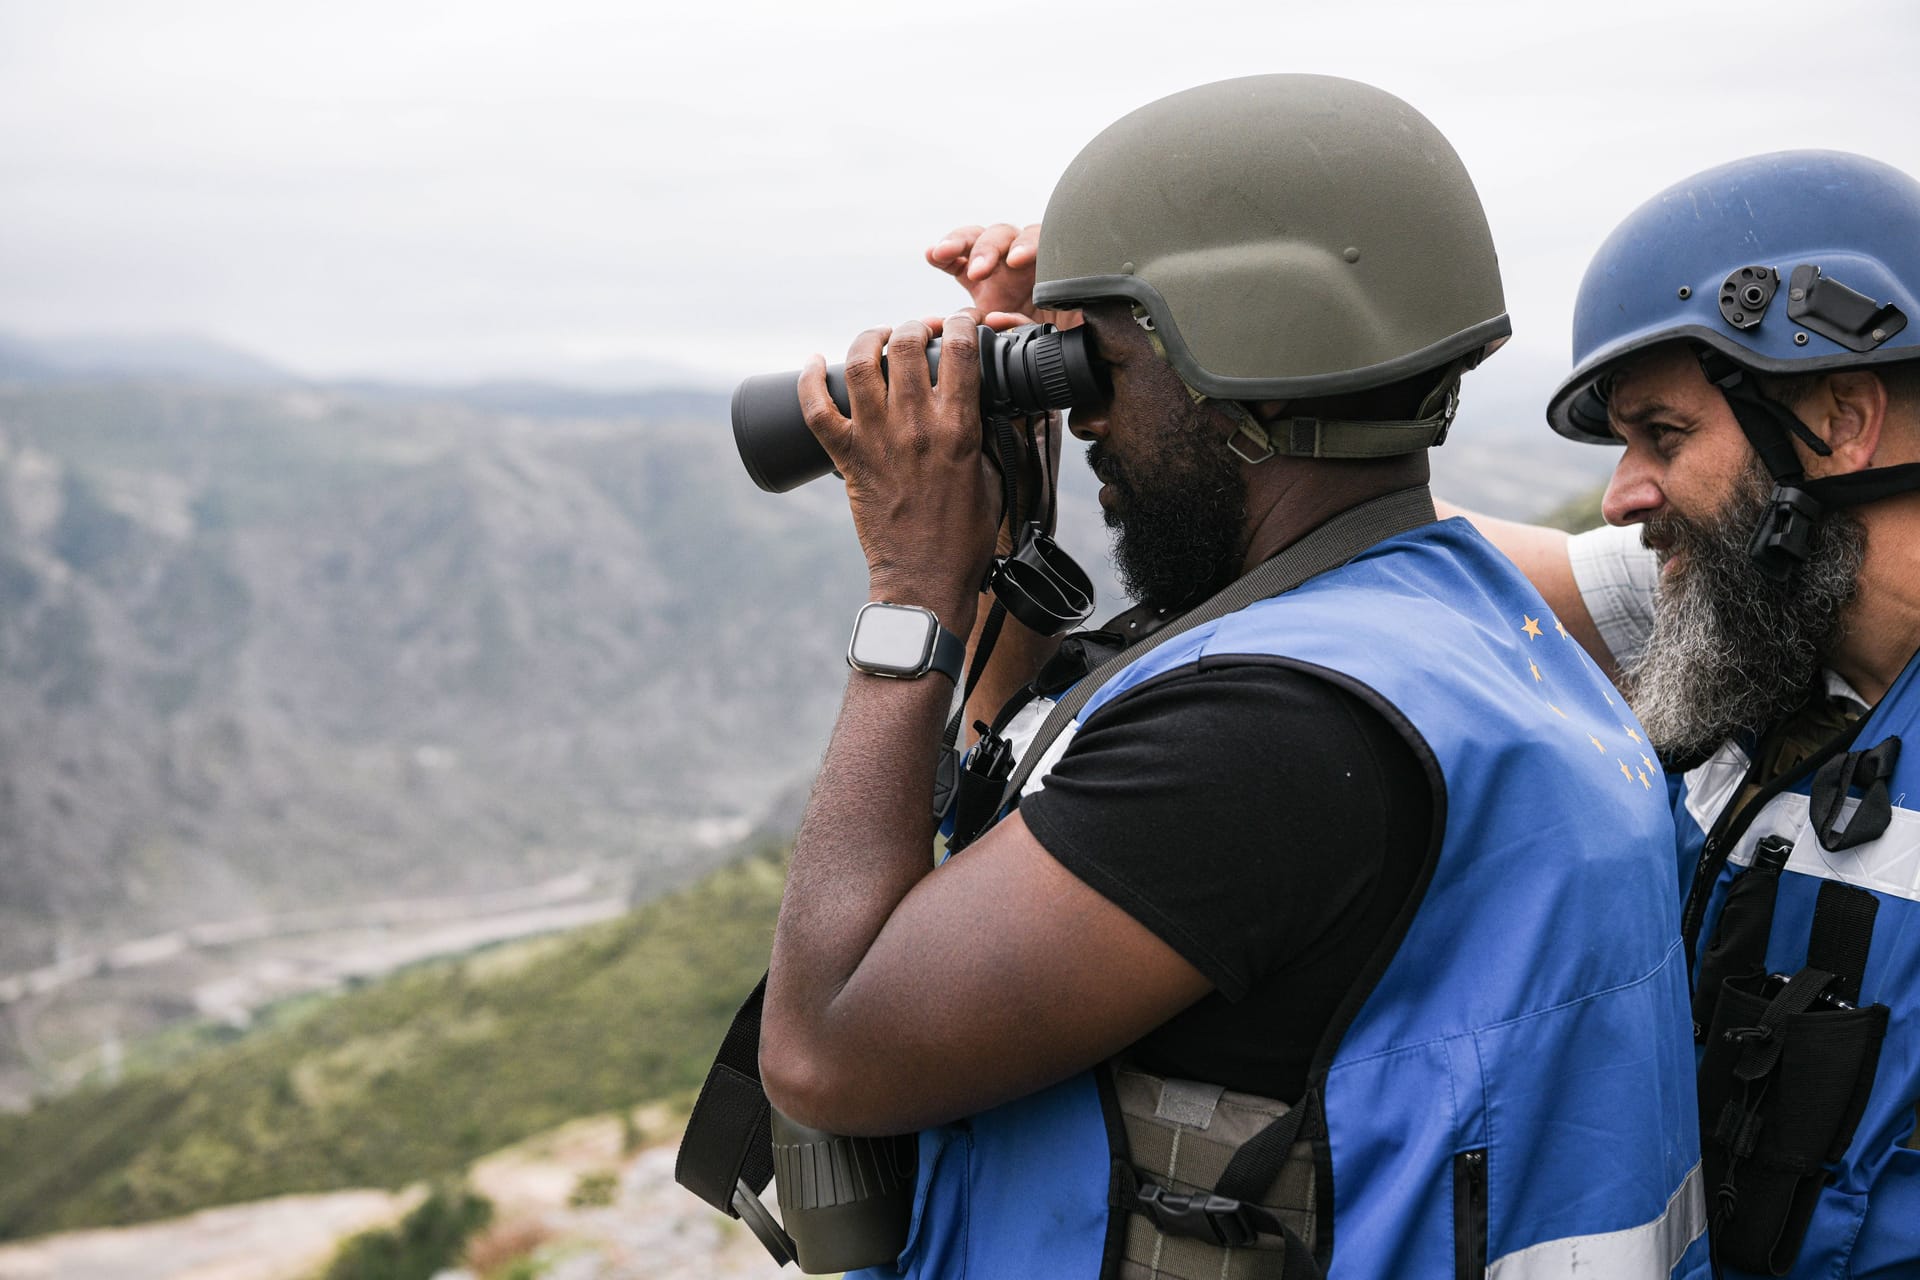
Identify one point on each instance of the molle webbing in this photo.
(1181, 1138)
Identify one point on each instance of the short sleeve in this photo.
(1243, 810)
(1616, 576)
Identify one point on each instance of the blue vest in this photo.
(1535, 1009)
(1867, 1219)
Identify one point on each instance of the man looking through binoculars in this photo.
(1343, 906)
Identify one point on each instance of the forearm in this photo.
(867, 838)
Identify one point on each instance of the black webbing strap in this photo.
(1784, 536)
(1770, 427)
(1842, 936)
(1739, 946)
(1736, 818)
(1257, 1163)
(729, 1138)
(1329, 546)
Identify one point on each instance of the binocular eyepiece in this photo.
(1025, 370)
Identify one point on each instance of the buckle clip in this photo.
(1785, 535)
(1200, 1216)
(1253, 431)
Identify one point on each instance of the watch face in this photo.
(891, 639)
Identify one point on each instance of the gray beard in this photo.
(1732, 650)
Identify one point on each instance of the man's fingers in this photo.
(960, 360)
(1003, 319)
(989, 249)
(1025, 247)
(949, 253)
(907, 375)
(866, 383)
(823, 416)
(937, 325)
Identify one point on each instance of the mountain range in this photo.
(268, 645)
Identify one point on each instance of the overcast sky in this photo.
(486, 188)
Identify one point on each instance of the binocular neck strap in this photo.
(1327, 547)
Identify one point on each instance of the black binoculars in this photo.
(1025, 370)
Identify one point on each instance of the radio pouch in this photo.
(1783, 1082)
(1738, 948)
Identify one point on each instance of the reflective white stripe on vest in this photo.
(1712, 785)
(1649, 1251)
(1889, 865)
(1020, 735)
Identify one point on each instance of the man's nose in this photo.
(1089, 423)
(1633, 493)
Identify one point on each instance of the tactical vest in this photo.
(1510, 1088)
(1804, 907)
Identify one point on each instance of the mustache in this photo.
(1104, 467)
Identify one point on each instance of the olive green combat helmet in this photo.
(1285, 237)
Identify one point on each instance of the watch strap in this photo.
(949, 656)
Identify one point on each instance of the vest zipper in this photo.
(1470, 1215)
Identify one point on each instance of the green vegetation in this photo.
(595, 1190)
(427, 1241)
(411, 1078)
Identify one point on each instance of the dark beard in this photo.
(1731, 650)
(1177, 514)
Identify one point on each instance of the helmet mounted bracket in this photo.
(1783, 539)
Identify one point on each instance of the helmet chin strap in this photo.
(1255, 441)
(1784, 537)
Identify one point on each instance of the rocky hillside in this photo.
(267, 648)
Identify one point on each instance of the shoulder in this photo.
(1259, 725)
(1616, 576)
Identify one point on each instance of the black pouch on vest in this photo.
(1739, 945)
(1782, 1087)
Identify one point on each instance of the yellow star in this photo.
(1535, 670)
(1630, 732)
(1561, 627)
(1597, 745)
(1641, 774)
(1532, 628)
(1646, 762)
(1624, 771)
(1557, 711)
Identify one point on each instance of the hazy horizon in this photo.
(608, 196)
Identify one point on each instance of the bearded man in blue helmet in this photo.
(1335, 934)
(1748, 336)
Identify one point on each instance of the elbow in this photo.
(808, 1083)
(793, 1080)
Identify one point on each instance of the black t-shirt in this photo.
(1265, 823)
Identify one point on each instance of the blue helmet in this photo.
(1791, 263)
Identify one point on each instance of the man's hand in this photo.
(925, 501)
(995, 266)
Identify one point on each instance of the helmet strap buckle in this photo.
(1246, 429)
(1784, 537)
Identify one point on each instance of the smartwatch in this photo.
(903, 642)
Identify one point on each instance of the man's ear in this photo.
(1848, 410)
